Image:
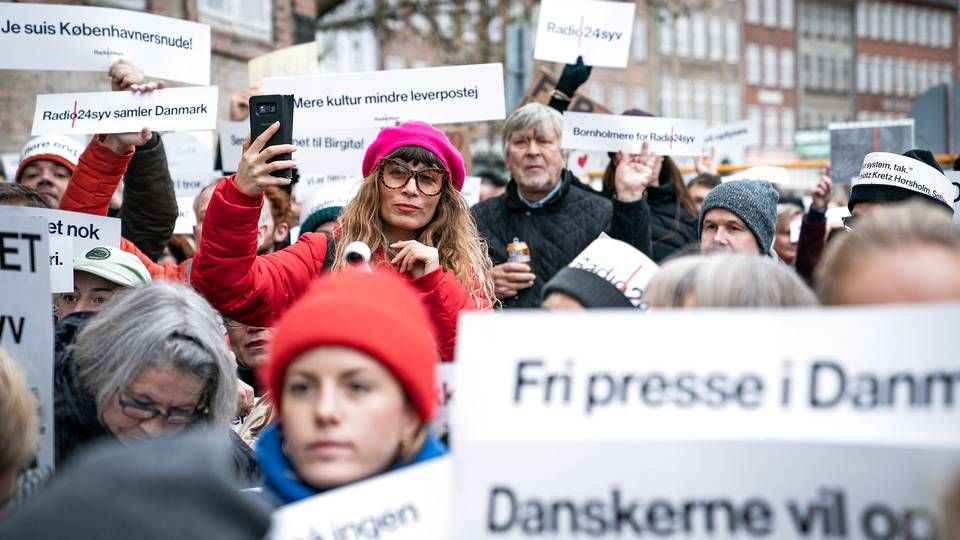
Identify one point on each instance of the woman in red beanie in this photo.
(408, 211)
(351, 403)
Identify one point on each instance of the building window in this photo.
(827, 22)
(786, 14)
(946, 31)
(666, 32)
(753, 64)
(887, 67)
(829, 73)
(769, 66)
(596, 92)
(699, 36)
(683, 99)
(786, 68)
(716, 39)
(874, 27)
(910, 25)
(886, 20)
(700, 100)
(786, 128)
(640, 40)
(733, 41)
(666, 97)
(899, 77)
(899, 22)
(862, 74)
(618, 98)
(819, 73)
(733, 103)
(683, 36)
(640, 98)
(755, 115)
(910, 74)
(770, 13)
(875, 74)
(861, 19)
(716, 104)
(845, 74)
(771, 128)
(843, 24)
(752, 13)
(247, 18)
(806, 73)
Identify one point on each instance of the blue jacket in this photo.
(282, 486)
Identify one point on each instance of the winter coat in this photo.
(558, 231)
(672, 227)
(256, 290)
(813, 238)
(282, 485)
(149, 210)
(77, 420)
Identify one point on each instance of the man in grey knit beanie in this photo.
(739, 216)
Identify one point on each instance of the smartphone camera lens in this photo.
(266, 108)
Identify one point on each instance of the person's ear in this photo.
(281, 232)
(261, 234)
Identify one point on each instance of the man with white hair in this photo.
(540, 208)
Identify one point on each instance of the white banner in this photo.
(599, 31)
(26, 318)
(471, 190)
(731, 138)
(621, 264)
(413, 503)
(788, 381)
(702, 490)
(170, 109)
(189, 153)
(613, 132)
(440, 95)
(337, 152)
(889, 169)
(48, 37)
(232, 135)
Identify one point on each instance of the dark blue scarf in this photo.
(281, 479)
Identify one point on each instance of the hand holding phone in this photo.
(259, 162)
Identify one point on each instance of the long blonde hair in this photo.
(452, 230)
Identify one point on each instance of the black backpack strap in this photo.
(331, 253)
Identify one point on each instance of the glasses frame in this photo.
(414, 173)
(171, 417)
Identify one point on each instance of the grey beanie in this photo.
(591, 290)
(753, 201)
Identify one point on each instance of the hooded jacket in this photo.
(255, 290)
(282, 485)
(557, 231)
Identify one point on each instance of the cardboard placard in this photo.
(731, 139)
(440, 95)
(471, 190)
(412, 503)
(851, 142)
(186, 219)
(290, 61)
(544, 83)
(331, 152)
(26, 325)
(597, 30)
(189, 153)
(766, 173)
(324, 192)
(623, 265)
(232, 135)
(611, 133)
(170, 109)
(48, 37)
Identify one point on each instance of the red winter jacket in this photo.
(255, 290)
(98, 173)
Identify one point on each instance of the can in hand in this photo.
(518, 252)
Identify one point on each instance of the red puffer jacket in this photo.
(91, 186)
(255, 290)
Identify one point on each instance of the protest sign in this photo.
(623, 265)
(61, 264)
(232, 135)
(326, 192)
(441, 420)
(170, 109)
(544, 83)
(47, 37)
(597, 30)
(412, 503)
(26, 326)
(10, 163)
(186, 219)
(766, 173)
(698, 490)
(331, 152)
(440, 95)
(471, 190)
(954, 177)
(189, 152)
(850, 142)
(865, 385)
(731, 140)
(287, 62)
(884, 168)
(612, 132)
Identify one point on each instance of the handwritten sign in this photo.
(850, 142)
(48, 37)
(597, 30)
(170, 109)
(610, 132)
(439, 95)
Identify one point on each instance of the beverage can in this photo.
(518, 252)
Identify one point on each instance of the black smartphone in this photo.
(264, 111)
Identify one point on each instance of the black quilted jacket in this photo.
(671, 226)
(559, 231)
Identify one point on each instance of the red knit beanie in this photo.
(416, 134)
(376, 313)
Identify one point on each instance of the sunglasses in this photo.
(394, 174)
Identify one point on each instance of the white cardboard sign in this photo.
(612, 132)
(597, 30)
(232, 135)
(338, 152)
(316, 191)
(440, 95)
(47, 37)
(186, 219)
(61, 264)
(906, 173)
(954, 177)
(189, 153)
(732, 137)
(863, 385)
(766, 173)
(702, 490)
(471, 190)
(413, 503)
(623, 265)
(170, 109)
(26, 325)
(445, 385)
